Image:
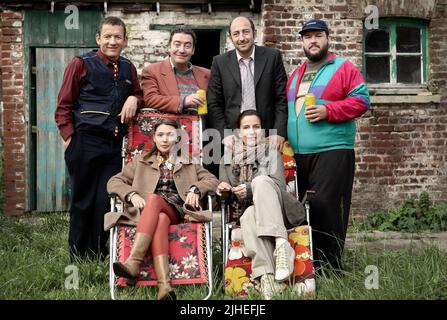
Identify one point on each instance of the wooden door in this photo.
(52, 180)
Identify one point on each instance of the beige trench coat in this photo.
(142, 174)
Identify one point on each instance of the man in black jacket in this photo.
(248, 77)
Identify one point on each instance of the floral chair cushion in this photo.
(187, 258)
(238, 279)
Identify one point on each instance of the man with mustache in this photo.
(248, 77)
(322, 137)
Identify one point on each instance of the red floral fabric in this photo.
(187, 255)
(187, 261)
(141, 131)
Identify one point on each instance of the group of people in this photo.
(247, 90)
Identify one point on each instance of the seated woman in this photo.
(159, 182)
(254, 174)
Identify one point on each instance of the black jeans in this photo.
(91, 161)
(330, 174)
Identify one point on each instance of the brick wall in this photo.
(12, 124)
(401, 147)
(401, 151)
(284, 18)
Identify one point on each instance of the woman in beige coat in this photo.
(159, 183)
(254, 174)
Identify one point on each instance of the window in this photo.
(395, 53)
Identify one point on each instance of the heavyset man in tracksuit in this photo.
(322, 137)
(100, 92)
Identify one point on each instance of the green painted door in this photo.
(52, 181)
(51, 41)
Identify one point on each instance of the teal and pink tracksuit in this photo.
(340, 87)
(324, 151)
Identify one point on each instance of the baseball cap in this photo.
(314, 24)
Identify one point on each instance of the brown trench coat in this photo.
(142, 174)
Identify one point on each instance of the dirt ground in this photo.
(379, 240)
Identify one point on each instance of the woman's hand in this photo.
(222, 187)
(192, 199)
(240, 191)
(137, 201)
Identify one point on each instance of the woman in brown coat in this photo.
(159, 183)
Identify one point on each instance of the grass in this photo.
(34, 257)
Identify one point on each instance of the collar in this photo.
(153, 162)
(239, 57)
(174, 68)
(105, 58)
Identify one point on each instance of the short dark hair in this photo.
(251, 24)
(246, 113)
(114, 21)
(185, 31)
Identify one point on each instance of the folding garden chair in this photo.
(190, 244)
(236, 264)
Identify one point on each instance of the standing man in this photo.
(170, 85)
(248, 77)
(100, 92)
(322, 137)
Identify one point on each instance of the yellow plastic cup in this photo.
(309, 99)
(202, 108)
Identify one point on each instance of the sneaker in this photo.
(285, 258)
(269, 287)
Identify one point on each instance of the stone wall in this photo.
(401, 143)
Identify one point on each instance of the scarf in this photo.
(246, 160)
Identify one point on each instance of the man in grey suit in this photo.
(248, 77)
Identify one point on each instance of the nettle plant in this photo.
(412, 216)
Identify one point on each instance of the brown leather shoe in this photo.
(131, 268)
(161, 266)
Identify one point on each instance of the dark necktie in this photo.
(115, 70)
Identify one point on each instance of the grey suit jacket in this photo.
(225, 91)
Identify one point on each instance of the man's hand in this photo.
(240, 191)
(66, 142)
(137, 201)
(192, 199)
(315, 113)
(193, 100)
(129, 109)
(222, 187)
(276, 142)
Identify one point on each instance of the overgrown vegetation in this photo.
(412, 216)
